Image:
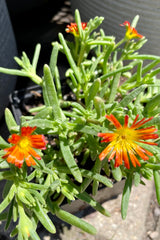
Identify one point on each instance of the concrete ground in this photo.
(114, 228)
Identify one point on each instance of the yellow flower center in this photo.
(24, 143)
(125, 135)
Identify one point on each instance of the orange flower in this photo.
(23, 147)
(72, 28)
(123, 143)
(131, 32)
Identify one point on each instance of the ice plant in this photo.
(131, 32)
(73, 28)
(100, 75)
(23, 147)
(123, 143)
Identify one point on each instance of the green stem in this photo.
(60, 199)
(119, 43)
(93, 121)
(13, 72)
(143, 71)
(76, 47)
(70, 58)
(36, 56)
(35, 78)
(81, 54)
(106, 57)
(114, 87)
(122, 69)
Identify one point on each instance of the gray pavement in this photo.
(114, 228)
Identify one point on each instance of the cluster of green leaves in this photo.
(105, 77)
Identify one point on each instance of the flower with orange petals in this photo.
(123, 142)
(131, 32)
(23, 147)
(72, 28)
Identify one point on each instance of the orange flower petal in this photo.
(112, 155)
(23, 147)
(126, 160)
(149, 143)
(140, 152)
(131, 32)
(126, 121)
(123, 142)
(14, 139)
(112, 119)
(141, 122)
(30, 161)
(118, 159)
(134, 159)
(107, 137)
(38, 141)
(105, 152)
(32, 152)
(16, 157)
(26, 131)
(73, 28)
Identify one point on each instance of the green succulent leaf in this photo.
(73, 220)
(157, 184)
(125, 196)
(69, 159)
(130, 97)
(43, 217)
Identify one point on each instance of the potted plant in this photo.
(56, 154)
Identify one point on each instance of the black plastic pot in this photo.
(8, 50)
(20, 99)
